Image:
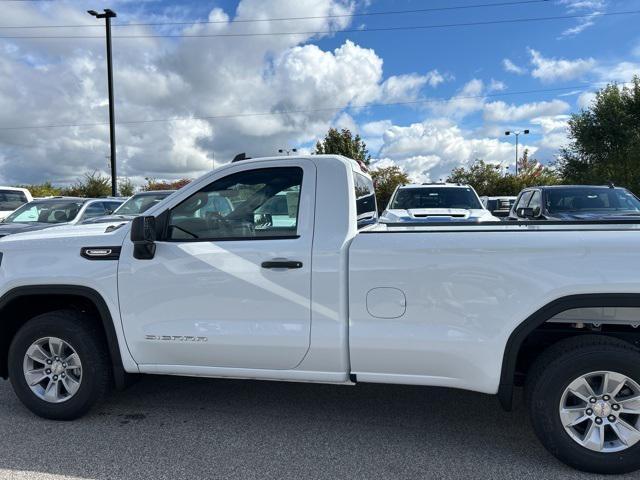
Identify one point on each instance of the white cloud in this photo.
(376, 128)
(590, 7)
(501, 112)
(63, 82)
(585, 100)
(428, 151)
(469, 99)
(553, 69)
(496, 86)
(511, 67)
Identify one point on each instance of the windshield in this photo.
(46, 212)
(433, 197)
(140, 203)
(591, 199)
(11, 199)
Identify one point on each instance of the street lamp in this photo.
(284, 150)
(517, 133)
(108, 15)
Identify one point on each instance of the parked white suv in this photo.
(436, 202)
(12, 198)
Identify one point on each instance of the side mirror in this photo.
(528, 213)
(143, 236)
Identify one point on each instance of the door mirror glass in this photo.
(526, 212)
(143, 236)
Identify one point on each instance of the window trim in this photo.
(167, 225)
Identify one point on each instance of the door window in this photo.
(253, 204)
(94, 210)
(536, 202)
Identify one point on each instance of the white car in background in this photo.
(436, 202)
(12, 198)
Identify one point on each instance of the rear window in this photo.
(591, 199)
(11, 199)
(435, 197)
(365, 199)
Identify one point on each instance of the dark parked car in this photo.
(575, 202)
(136, 205)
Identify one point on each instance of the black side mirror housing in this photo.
(528, 213)
(143, 236)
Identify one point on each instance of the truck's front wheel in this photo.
(584, 400)
(58, 365)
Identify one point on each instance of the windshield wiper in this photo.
(185, 231)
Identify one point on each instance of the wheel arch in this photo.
(55, 294)
(541, 316)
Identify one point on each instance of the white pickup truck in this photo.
(331, 296)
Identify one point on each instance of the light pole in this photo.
(108, 15)
(284, 150)
(517, 133)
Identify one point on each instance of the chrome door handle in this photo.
(288, 264)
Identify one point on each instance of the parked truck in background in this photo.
(330, 296)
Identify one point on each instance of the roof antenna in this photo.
(612, 185)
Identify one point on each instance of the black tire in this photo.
(547, 380)
(79, 331)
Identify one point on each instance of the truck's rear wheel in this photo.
(58, 365)
(584, 400)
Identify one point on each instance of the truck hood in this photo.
(92, 232)
(11, 228)
(437, 215)
(115, 219)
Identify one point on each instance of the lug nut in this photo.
(589, 411)
(593, 400)
(612, 418)
(64, 365)
(55, 377)
(48, 370)
(606, 398)
(616, 407)
(57, 358)
(49, 362)
(63, 375)
(598, 421)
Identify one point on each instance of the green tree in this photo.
(605, 139)
(343, 143)
(126, 187)
(386, 179)
(42, 190)
(487, 179)
(153, 184)
(91, 185)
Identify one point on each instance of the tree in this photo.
(42, 190)
(487, 180)
(605, 139)
(344, 143)
(126, 187)
(386, 179)
(153, 184)
(92, 185)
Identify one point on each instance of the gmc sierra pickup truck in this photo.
(276, 269)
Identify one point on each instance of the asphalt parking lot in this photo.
(185, 428)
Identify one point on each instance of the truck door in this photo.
(230, 285)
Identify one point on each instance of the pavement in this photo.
(187, 428)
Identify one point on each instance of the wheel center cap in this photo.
(602, 409)
(57, 368)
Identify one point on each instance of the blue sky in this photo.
(61, 81)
